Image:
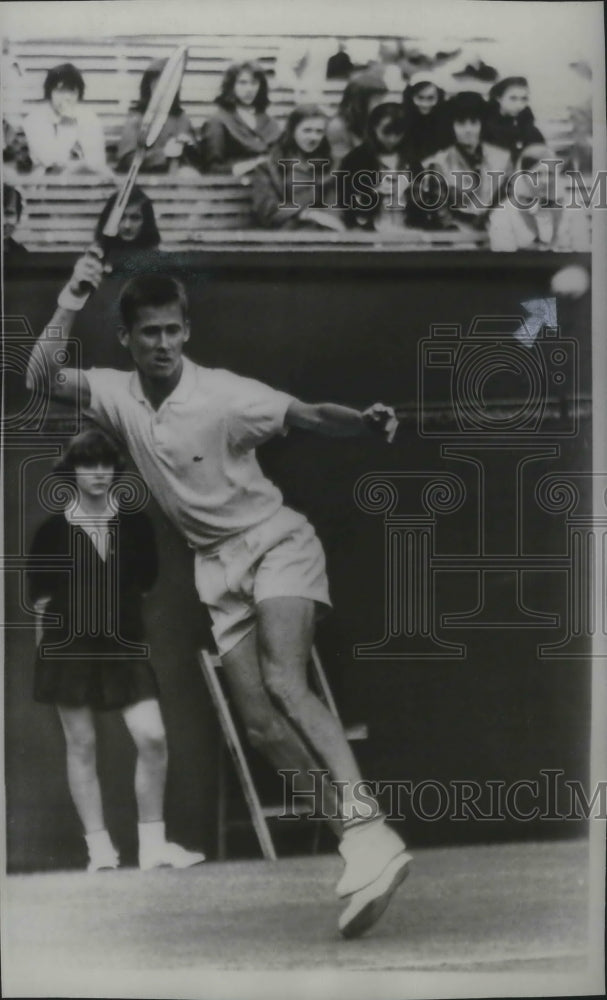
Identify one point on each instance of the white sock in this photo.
(151, 834)
(99, 844)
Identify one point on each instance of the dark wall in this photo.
(349, 333)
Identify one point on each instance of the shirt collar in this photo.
(182, 391)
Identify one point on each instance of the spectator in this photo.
(176, 142)
(533, 213)
(14, 148)
(348, 128)
(239, 135)
(12, 210)
(469, 164)
(301, 193)
(376, 186)
(137, 229)
(339, 65)
(579, 154)
(390, 56)
(510, 123)
(62, 133)
(423, 102)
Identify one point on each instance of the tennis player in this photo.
(259, 566)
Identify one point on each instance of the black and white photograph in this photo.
(304, 488)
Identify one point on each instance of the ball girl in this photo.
(90, 565)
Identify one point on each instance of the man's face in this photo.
(156, 340)
(467, 133)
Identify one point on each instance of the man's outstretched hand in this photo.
(381, 419)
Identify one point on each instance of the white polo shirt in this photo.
(197, 451)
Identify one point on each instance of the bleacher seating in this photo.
(112, 70)
(206, 211)
(195, 211)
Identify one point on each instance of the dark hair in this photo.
(354, 104)
(286, 147)
(226, 98)
(148, 238)
(150, 290)
(65, 75)
(388, 111)
(10, 194)
(499, 89)
(466, 106)
(89, 448)
(149, 77)
(411, 90)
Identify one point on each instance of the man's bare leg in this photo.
(270, 731)
(285, 638)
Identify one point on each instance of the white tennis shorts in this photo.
(282, 557)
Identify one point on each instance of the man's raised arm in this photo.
(47, 373)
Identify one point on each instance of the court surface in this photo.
(516, 909)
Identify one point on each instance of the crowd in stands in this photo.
(419, 159)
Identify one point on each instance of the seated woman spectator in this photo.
(176, 142)
(376, 188)
(348, 127)
(137, 230)
(424, 120)
(238, 136)
(12, 210)
(533, 213)
(510, 123)
(64, 135)
(300, 194)
(470, 165)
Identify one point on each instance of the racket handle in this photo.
(74, 301)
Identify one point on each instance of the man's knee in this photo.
(263, 733)
(282, 687)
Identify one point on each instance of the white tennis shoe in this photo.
(168, 855)
(103, 861)
(367, 849)
(366, 906)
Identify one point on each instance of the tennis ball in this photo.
(570, 281)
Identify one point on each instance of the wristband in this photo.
(67, 299)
